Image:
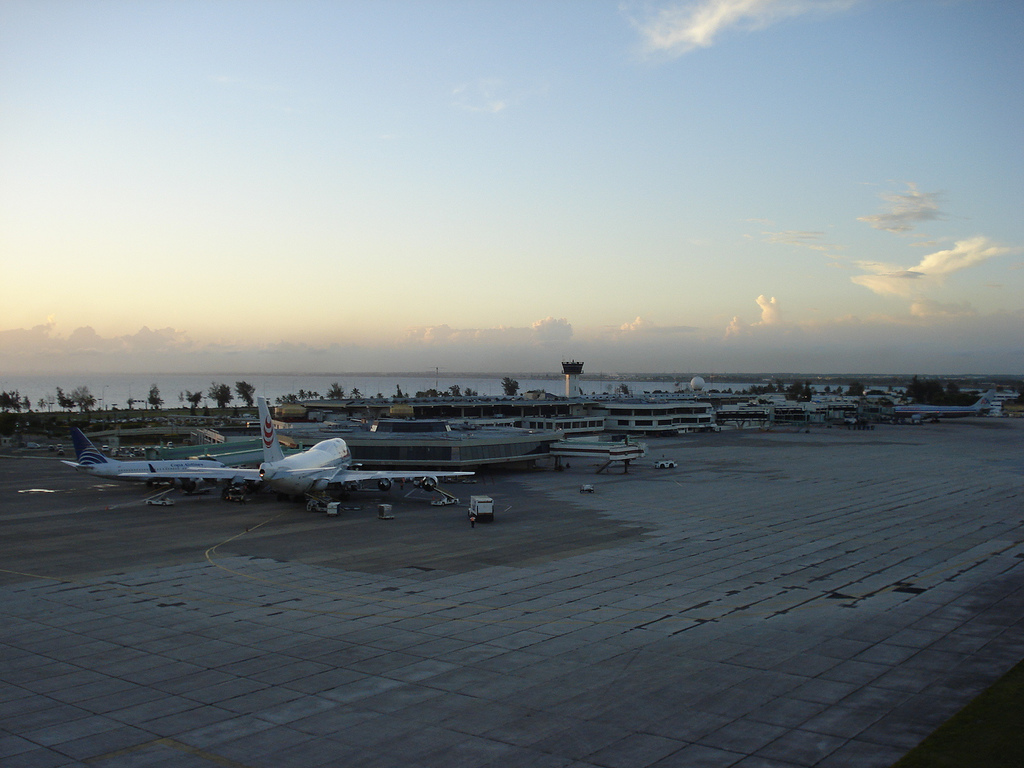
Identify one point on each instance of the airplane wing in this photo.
(359, 475)
(351, 477)
(233, 474)
(343, 475)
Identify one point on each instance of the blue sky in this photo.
(708, 186)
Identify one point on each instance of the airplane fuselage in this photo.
(301, 473)
(917, 411)
(158, 469)
(935, 411)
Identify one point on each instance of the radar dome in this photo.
(696, 383)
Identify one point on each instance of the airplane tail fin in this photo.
(986, 400)
(87, 453)
(271, 447)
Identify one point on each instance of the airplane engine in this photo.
(320, 485)
(188, 485)
(428, 483)
(384, 484)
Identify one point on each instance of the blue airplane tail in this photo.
(87, 453)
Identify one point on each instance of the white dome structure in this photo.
(696, 383)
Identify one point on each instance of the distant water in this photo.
(113, 391)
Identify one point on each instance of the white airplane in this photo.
(324, 467)
(92, 461)
(919, 412)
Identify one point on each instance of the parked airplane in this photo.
(324, 467)
(920, 412)
(94, 462)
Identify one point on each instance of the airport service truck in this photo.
(482, 508)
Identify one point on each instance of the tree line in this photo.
(84, 401)
(803, 390)
(928, 391)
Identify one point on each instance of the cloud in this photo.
(683, 27)
(771, 316)
(889, 280)
(43, 340)
(42, 348)
(931, 337)
(643, 327)
(966, 253)
(939, 340)
(492, 95)
(546, 331)
(479, 96)
(812, 240)
(928, 309)
(636, 325)
(552, 329)
(889, 284)
(906, 210)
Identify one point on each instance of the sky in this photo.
(700, 186)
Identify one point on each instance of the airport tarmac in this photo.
(822, 598)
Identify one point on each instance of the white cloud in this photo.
(552, 329)
(771, 316)
(889, 280)
(771, 313)
(683, 27)
(636, 325)
(644, 327)
(548, 330)
(964, 254)
(906, 210)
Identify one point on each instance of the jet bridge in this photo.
(606, 451)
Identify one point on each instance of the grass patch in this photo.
(987, 733)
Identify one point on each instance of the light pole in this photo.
(103, 396)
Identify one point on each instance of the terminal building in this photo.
(397, 444)
(461, 433)
(633, 415)
(573, 415)
(470, 432)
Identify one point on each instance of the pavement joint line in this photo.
(173, 744)
(765, 607)
(528, 619)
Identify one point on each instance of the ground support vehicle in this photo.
(481, 509)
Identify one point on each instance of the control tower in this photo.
(572, 371)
